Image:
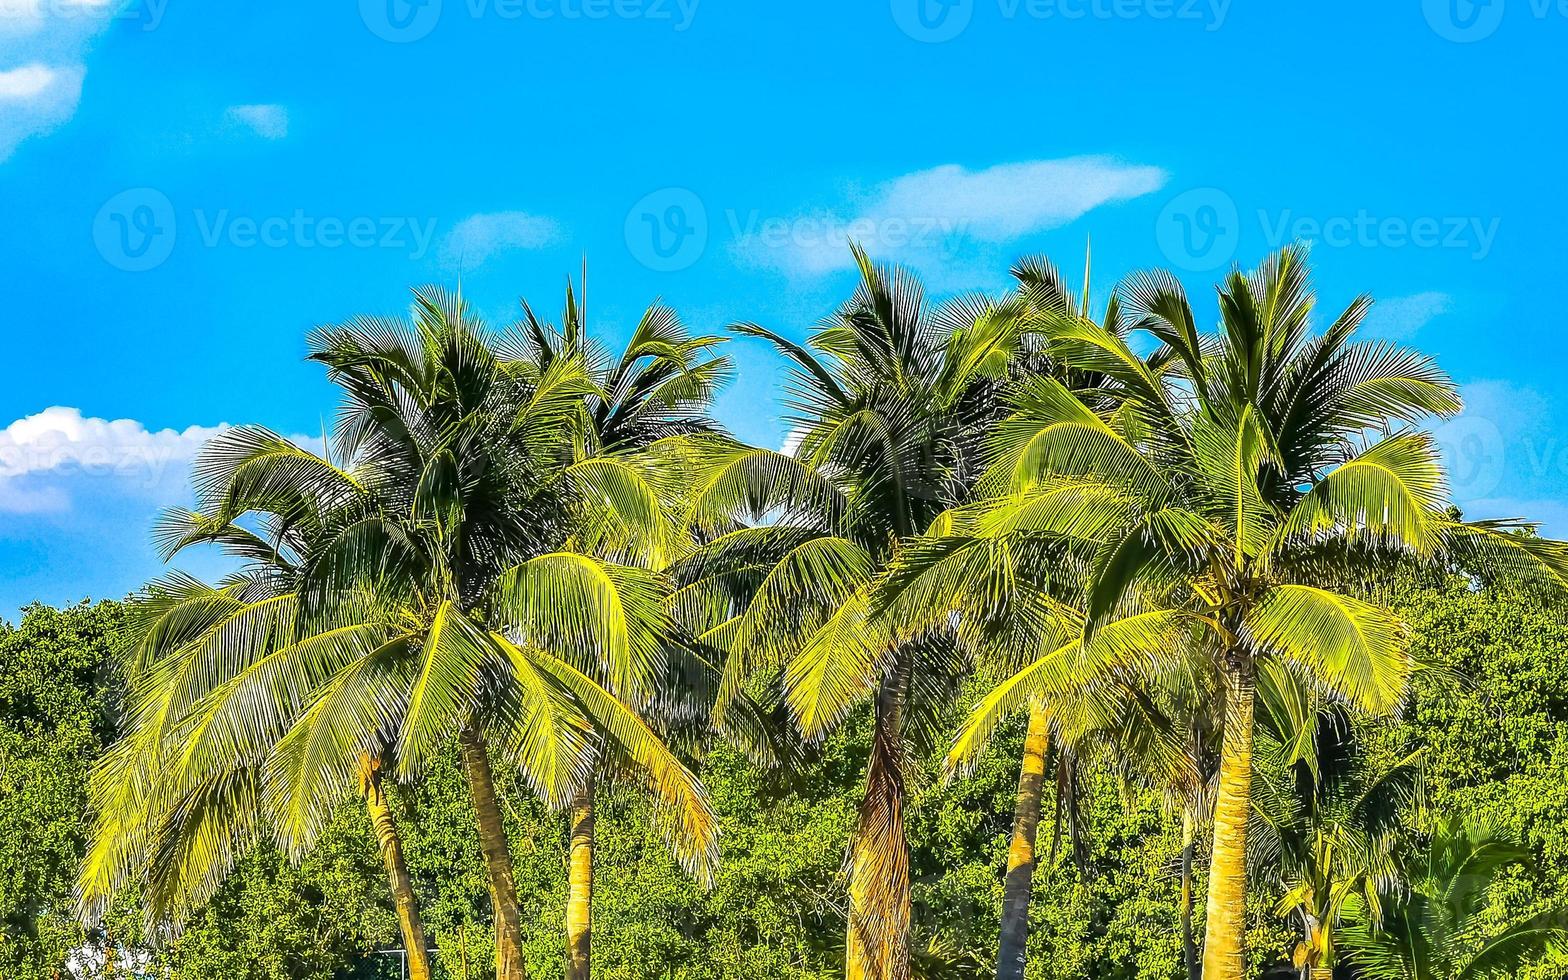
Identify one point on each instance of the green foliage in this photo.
(1497, 732)
(1496, 740)
(276, 921)
(56, 710)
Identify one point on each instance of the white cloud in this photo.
(43, 50)
(923, 218)
(269, 121)
(1402, 317)
(34, 100)
(26, 83)
(43, 455)
(477, 238)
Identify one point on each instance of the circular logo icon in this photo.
(932, 21)
(1474, 454)
(668, 230)
(1199, 230)
(1464, 21)
(135, 229)
(400, 21)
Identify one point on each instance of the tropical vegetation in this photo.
(1052, 643)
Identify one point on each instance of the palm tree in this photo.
(657, 390)
(1017, 599)
(1327, 820)
(888, 402)
(1435, 929)
(436, 549)
(179, 796)
(1250, 480)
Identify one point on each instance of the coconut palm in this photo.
(656, 390)
(1250, 480)
(1435, 927)
(1042, 296)
(437, 551)
(1010, 596)
(888, 402)
(1328, 820)
(215, 676)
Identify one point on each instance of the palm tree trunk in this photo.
(1189, 942)
(497, 855)
(1322, 973)
(409, 922)
(1018, 887)
(877, 939)
(1225, 936)
(579, 895)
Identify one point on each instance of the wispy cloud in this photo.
(1402, 317)
(925, 217)
(35, 99)
(43, 51)
(269, 121)
(478, 238)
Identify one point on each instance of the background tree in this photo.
(58, 693)
(1434, 927)
(1329, 819)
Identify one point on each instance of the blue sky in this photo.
(189, 188)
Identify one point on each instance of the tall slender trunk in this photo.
(1189, 941)
(877, 938)
(409, 922)
(1018, 887)
(579, 895)
(1225, 936)
(497, 855)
